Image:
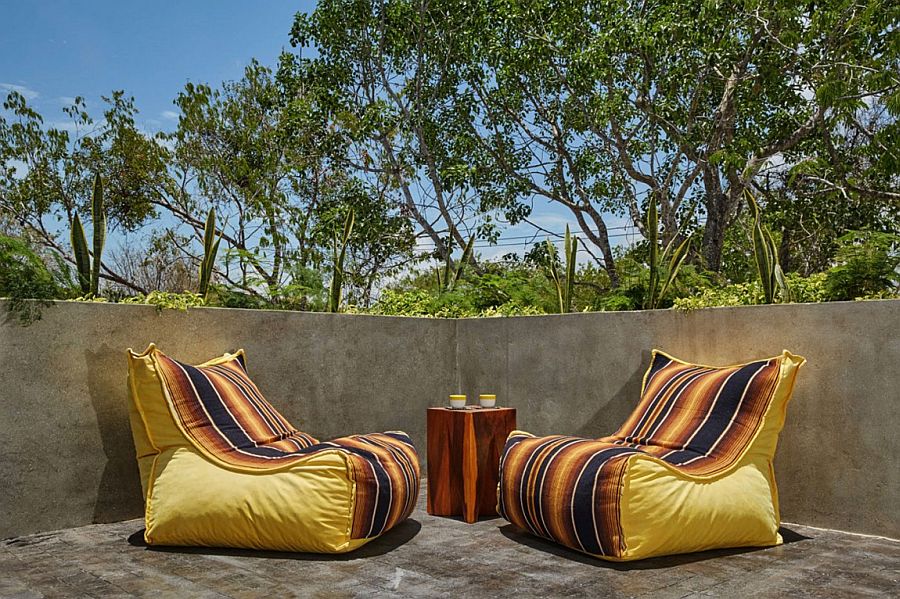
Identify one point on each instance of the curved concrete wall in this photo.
(68, 456)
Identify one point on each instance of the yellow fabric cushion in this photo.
(307, 507)
(220, 467)
(691, 468)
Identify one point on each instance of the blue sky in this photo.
(56, 50)
(53, 50)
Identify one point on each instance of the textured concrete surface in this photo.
(429, 556)
(69, 458)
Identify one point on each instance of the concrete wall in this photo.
(69, 458)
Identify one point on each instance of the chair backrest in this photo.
(705, 418)
(214, 407)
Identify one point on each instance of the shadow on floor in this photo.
(516, 534)
(398, 536)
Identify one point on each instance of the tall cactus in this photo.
(98, 214)
(88, 271)
(564, 289)
(210, 249)
(82, 255)
(450, 277)
(771, 276)
(337, 274)
(664, 266)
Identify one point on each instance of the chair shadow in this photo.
(513, 533)
(394, 538)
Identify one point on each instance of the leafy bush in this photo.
(867, 263)
(164, 300)
(24, 276)
(803, 290)
(421, 302)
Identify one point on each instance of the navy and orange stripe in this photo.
(226, 416)
(699, 419)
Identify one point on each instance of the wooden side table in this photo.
(464, 448)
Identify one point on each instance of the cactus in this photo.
(210, 249)
(564, 289)
(337, 275)
(88, 271)
(82, 255)
(571, 247)
(672, 258)
(98, 214)
(771, 275)
(447, 279)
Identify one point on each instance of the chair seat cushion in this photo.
(221, 467)
(334, 497)
(690, 469)
(622, 503)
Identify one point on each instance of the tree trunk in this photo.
(784, 251)
(714, 232)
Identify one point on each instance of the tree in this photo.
(54, 171)
(603, 107)
(276, 176)
(381, 78)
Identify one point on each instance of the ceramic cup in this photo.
(457, 401)
(487, 401)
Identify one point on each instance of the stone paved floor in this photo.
(428, 556)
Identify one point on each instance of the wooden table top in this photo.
(472, 409)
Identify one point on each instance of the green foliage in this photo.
(339, 246)
(736, 294)
(448, 277)
(421, 302)
(867, 266)
(564, 286)
(498, 289)
(663, 266)
(804, 290)
(24, 276)
(210, 249)
(82, 255)
(170, 301)
(98, 218)
(88, 263)
(423, 120)
(771, 276)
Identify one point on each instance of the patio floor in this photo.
(429, 556)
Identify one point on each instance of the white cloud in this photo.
(66, 100)
(170, 115)
(27, 92)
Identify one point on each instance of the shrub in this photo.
(867, 263)
(24, 276)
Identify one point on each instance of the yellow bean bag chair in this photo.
(690, 470)
(220, 467)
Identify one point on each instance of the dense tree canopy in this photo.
(439, 121)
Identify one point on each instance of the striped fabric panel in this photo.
(386, 471)
(698, 418)
(224, 413)
(565, 489)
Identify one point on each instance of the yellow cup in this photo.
(487, 400)
(457, 401)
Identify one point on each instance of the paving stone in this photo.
(430, 556)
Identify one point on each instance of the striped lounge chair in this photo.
(691, 468)
(221, 467)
